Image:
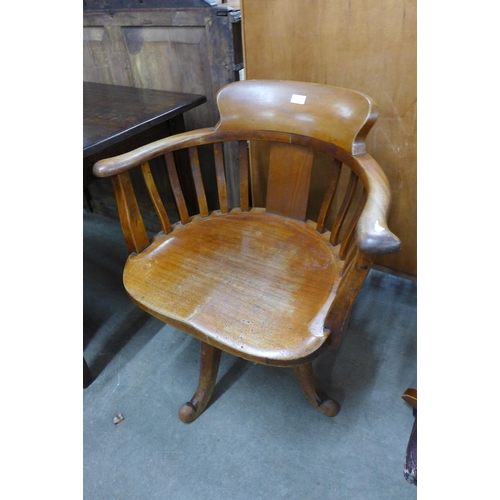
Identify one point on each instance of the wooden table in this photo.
(117, 119)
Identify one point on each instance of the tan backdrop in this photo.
(366, 45)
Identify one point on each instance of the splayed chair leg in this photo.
(209, 367)
(318, 400)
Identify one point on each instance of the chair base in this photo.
(209, 367)
(318, 400)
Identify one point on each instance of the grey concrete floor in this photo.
(259, 438)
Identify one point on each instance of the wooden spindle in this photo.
(244, 193)
(176, 188)
(221, 176)
(131, 221)
(198, 181)
(349, 234)
(346, 203)
(155, 198)
(350, 255)
(350, 284)
(329, 195)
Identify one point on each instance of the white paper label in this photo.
(298, 99)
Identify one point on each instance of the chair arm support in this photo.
(121, 163)
(373, 234)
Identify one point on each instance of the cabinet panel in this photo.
(185, 46)
(172, 58)
(95, 59)
(194, 50)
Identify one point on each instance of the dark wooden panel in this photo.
(182, 48)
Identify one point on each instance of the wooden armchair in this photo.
(264, 283)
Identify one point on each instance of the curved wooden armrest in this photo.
(377, 243)
(121, 163)
(373, 234)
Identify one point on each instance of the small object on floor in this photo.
(118, 418)
(410, 469)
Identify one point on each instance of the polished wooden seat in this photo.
(266, 283)
(258, 264)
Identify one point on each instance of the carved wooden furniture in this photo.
(267, 284)
(410, 467)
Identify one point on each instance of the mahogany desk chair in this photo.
(261, 283)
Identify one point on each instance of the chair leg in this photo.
(209, 367)
(318, 399)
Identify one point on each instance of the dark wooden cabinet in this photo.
(191, 46)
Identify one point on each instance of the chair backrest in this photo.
(297, 120)
(330, 114)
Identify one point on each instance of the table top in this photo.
(112, 113)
